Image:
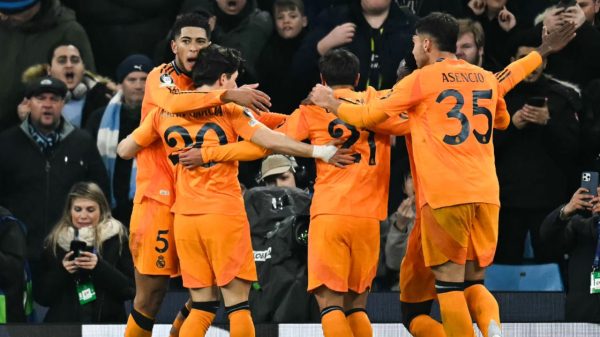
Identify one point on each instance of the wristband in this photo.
(324, 152)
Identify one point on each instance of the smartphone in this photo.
(566, 3)
(77, 246)
(536, 101)
(589, 181)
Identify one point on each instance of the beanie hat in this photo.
(16, 6)
(135, 62)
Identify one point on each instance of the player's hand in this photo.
(249, 97)
(477, 6)
(556, 39)
(338, 36)
(581, 200)
(86, 260)
(575, 15)
(69, 264)
(553, 19)
(191, 159)
(519, 120)
(23, 109)
(506, 19)
(322, 96)
(536, 115)
(342, 158)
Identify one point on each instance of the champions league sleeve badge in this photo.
(252, 122)
(166, 80)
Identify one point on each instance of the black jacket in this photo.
(112, 279)
(537, 165)
(34, 186)
(576, 237)
(12, 266)
(394, 39)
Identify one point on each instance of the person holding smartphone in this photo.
(87, 268)
(536, 158)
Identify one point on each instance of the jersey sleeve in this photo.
(167, 96)
(515, 72)
(296, 125)
(502, 118)
(272, 120)
(403, 96)
(395, 126)
(146, 134)
(243, 121)
(240, 151)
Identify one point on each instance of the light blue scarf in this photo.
(108, 139)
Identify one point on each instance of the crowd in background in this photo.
(101, 52)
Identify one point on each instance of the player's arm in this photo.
(403, 96)
(172, 99)
(141, 137)
(394, 126)
(502, 117)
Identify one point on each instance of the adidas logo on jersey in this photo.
(262, 255)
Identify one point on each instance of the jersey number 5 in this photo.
(465, 129)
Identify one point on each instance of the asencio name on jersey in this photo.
(462, 77)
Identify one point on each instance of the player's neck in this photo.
(207, 87)
(338, 87)
(434, 56)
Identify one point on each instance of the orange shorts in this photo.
(343, 252)
(460, 233)
(152, 240)
(417, 282)
(214, 249)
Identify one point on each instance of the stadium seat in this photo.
(531, 277)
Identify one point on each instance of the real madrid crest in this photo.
(160, 262)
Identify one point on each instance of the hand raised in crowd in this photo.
(69, 264)
(575, 15)
(405, 213)
(506, 19)
(553, 19)
(536, 115)
(86, 260)
(23, 109)
(338, 36)
(248, 96)
(581, 200)
(477, 6)
(596, 202)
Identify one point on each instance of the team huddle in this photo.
(189, 218)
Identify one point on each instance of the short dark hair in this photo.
(339, 67)
(194, 18)
(213, 61)
(289, 5)
(442, 27)
(55, 46)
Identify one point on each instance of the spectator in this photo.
(423, 7)
(119, 28)
(278, 170)
(101, 265)
(378, 32)
(499, 24)
(12, 268)
(39, 162)
(112, 123)
(572, 230)
(28, 29)
(536, 159)
(401, 224)
(274, 64)
(240, 25)
(471, 42)
(578, 62)
(85, 93)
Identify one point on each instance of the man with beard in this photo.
(471, 41)
(110, 124)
